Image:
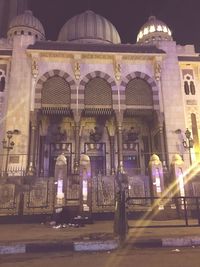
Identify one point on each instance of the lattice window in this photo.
(56, 91)
(98, 92)
(138, 92)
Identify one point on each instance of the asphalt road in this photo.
(157, 257)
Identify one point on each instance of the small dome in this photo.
(89, 27)
(154, 30)
(26, 24)
(177, 159)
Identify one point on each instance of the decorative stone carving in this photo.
(77, 70)
(56, 133)
(131, 135)
(157, 70)
(35, 68)
(117, 70)
(95, 134)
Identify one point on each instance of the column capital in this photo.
(77, 115)
(119, 116)
(111, 127)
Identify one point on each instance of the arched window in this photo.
(138, 92)
(98, 92)
(186, 88)
(2, 81)
(192, 88)
(189, 86)
(56, 92)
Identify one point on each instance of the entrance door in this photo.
(131, 164)
(97, 165)
(131, 158)
(96, 152)
(49, 154)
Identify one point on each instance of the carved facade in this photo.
(118, 104)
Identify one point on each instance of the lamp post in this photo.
(120, 221)
(8, 145)
(188, 144)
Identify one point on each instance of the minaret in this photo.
(8, 10)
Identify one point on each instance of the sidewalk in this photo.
(23, 238)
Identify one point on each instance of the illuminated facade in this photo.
(86, 93)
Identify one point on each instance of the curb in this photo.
(12, 249)
(59, 246)
(167, 242)
(95, 245)
(181, 242)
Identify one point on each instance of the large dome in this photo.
(26, 24)
(154, 30)
(89, 27)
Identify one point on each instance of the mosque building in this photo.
(86, 106)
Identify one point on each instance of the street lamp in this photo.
(188, 144)
(8, 145)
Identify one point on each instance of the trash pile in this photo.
(75, 222)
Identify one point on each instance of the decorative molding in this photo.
(137, 57)
(191, 102)
(96, 56)
(56, 55)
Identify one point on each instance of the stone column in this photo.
(120, 220)
(163, 158)
(32, 151)
(119, 118)
(111, 132)
(77, 141)
(112, 155)
(160, 117)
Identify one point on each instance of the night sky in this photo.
(128, 16)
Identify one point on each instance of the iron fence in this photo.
(186, 208)
(16, 165)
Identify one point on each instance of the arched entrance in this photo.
(52, 103)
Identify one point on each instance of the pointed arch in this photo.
(144, 77)
(102, 75)
(44, 78)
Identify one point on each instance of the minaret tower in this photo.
(8, 10)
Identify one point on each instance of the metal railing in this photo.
(16, 165)
(178, 208)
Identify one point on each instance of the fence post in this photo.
(198, 214)
(185, 211)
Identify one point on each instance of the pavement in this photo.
(97, 236)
